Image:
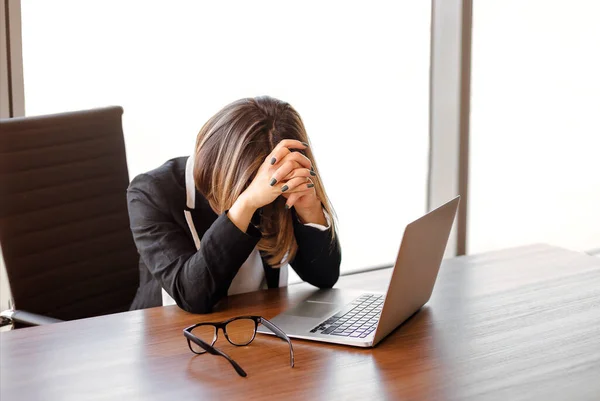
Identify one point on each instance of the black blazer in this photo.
(198, 279)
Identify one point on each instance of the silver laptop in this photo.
(363, 319)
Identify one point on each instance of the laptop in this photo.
(363, 319)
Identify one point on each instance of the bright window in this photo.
(357, 72)
(535, 131)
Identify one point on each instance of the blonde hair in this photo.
(230, 148)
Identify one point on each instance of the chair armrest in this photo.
(25, 318)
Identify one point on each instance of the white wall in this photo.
(4, 287)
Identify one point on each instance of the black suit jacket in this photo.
(198, 279)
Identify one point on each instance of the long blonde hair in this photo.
(230, 148)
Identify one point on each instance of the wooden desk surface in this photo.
(519, 324)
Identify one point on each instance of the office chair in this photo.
(64, 227)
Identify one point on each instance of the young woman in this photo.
(231, 217)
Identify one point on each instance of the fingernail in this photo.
(312, 172)
(273, 182)
(304, 143)
(310, 185)
(273, 160)
(284, 188)
(287, 207)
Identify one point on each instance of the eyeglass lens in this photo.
(241, 331)
(206, 333)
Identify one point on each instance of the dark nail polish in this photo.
(273, 160)
(312, 172)
(273, 182)
(310, 185)
(305, 144)
(284, 188)
(287, 207)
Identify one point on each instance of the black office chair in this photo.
(64, 228)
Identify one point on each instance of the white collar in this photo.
(190, 187)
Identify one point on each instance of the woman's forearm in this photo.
(318, 258)
(241, 213)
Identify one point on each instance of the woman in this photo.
(229, 218)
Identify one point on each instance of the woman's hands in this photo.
(307, 205)
(299, 191)
(284, 172)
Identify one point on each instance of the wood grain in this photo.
(519, 324)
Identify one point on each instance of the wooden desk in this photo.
(518, 324)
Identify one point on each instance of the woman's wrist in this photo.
(241, 213)
(312, 215)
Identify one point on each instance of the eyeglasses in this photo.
(238, 331)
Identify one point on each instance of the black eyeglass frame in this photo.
(187, 332)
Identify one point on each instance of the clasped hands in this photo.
(286, 173)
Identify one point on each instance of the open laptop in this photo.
(363, 319)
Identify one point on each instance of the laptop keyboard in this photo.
(357, 320)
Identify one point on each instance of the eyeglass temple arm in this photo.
(215, 351)
(281, 334)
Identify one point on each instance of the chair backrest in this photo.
(64, 227)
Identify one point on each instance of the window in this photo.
(357, 72)
(535, 132)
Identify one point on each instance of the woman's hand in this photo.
(300, 193)
(294, 171)
(306, 203)
(283, 170)
(274, 177)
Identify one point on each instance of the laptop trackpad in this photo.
(313, 309)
